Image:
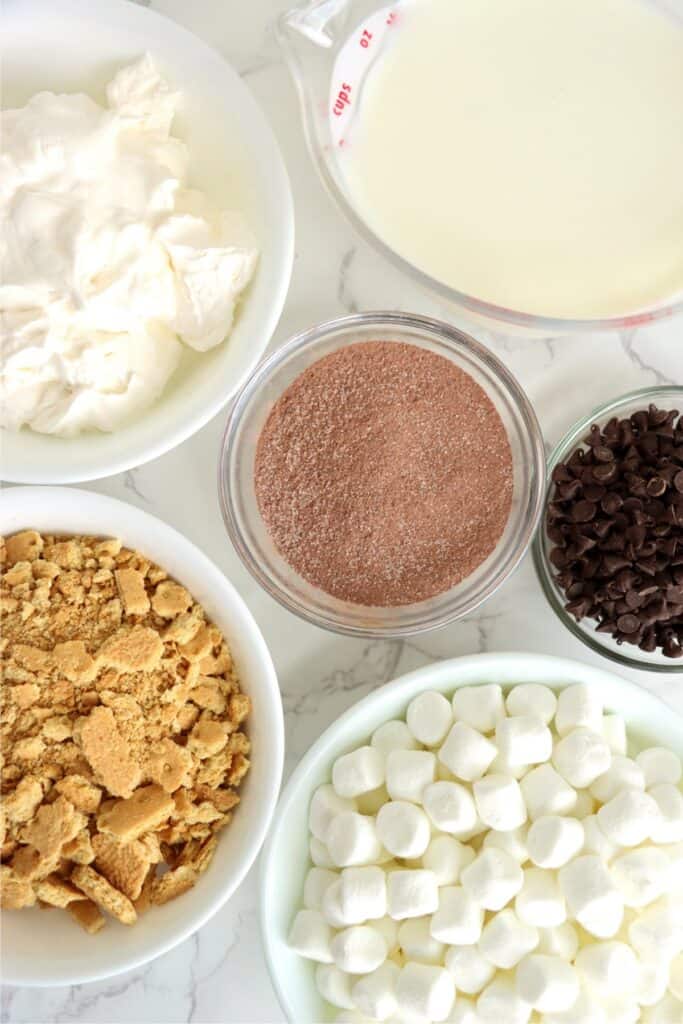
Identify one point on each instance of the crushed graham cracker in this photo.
(122, 730)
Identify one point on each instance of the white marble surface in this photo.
(220, 973)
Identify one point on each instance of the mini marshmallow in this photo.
(623, 773)
(482, 707)
(375, 993)
(492, 879)
(501, 765)
(352, 840)
(403, 829)
(418, 943)
(326, 804)
(641, 875)
(320, 855)
(446, 857)
(408, 772)
(412, 893)
(591, 895)
(595, 841)
(668, 1011)
(464, 1012)
(505, 939)
(653, 979)
(470, 969)
(458, 920)
(553, 840)
(546, 792)
(358, 772)
(668, 825)
(609, 969)
(450, 807)
(429, 717)
(512, 842)
(370, 802)
(425, 991)
(331, 907)
(659, 765)
(466, 752)
(581, 756)
(585, 805)
(310, 936)
(614, 732)
(676, 976)
(334, 986)
(657, 933)
(578, 707)
(359, 949)
(499, 1003)
(548, 983)
(388, 928)
(524, 739)
(629, 817)
(585, 1010)
(318, 880)
(363, 894)
(500, 802)
(540, 901)
(532, 699)
(563, 941)
(394, 735)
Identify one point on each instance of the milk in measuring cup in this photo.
(527, 153)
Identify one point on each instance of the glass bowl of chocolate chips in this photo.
(609, 552)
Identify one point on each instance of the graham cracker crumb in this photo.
(88, 915)
(170, 599)
(145, 810)
(125, 865)
(131, 585)
(57, 891)
(108, 752)
(98, 889)
(173, 884)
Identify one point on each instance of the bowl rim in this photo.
(449, 337)
(571, 439)
(12, 500)
(565, 672)
(151, 22)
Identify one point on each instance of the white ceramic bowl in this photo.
(285, 859)
(50, 949)
(76, 45)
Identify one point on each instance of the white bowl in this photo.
(50, 949)
(77, 45)
(285, 858)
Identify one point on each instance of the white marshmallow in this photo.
(641, 875)
(676, 976)
(524, 739)
(492, 879)
(482, 707)
(417, 942)
(595, 841)
(318, 880)
(532, 699)
(388, 928)
(375, 993)
(310, 936)
(659, 765)
(334, 986)
(505, 939)
(403, 829)
(623, 1011)
(512, 842)
(623, 773)
(331, 907)
(408, 772)
(668, 824)
(609, 969)
(359, 949)
(668, 1011)
(563, 941)
(326, 804)
(614, 731)
(540, 901)
(629, 817)
(499, 1003)
(500, 802)
(429, 717)
(358, 772)
(553, 840)
(470, 969)
(546, 792)
(425, 991)
(548, 983)
(581, 756)
(657, 933)
(585, 805)
(363, 894)
(393, 735)
(446, 857)
(674, 852)
(450, 807)
(501, 765)
(370, 802)
(585, 1010)
(653, 979)
(352, 840)
(464, 1012)
(591, 895)
(412, 893)
(466, 752)
(578, 707)
(459, 919)
(320, 855)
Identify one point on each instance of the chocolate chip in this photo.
(678, 481)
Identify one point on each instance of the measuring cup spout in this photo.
(312, 21)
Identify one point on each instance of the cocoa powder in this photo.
(384, 474)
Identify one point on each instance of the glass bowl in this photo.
(248, 531)
(670, 397)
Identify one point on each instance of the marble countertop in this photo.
(220, 974)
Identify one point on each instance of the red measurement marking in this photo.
(365, 39)
(392, 18)
(343, 100)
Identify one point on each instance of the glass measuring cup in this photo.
(329, 45)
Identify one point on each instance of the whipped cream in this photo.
(110, 264)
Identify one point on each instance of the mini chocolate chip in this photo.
(656, 486)
(583, 511)
(628, 623)
(678, 481)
